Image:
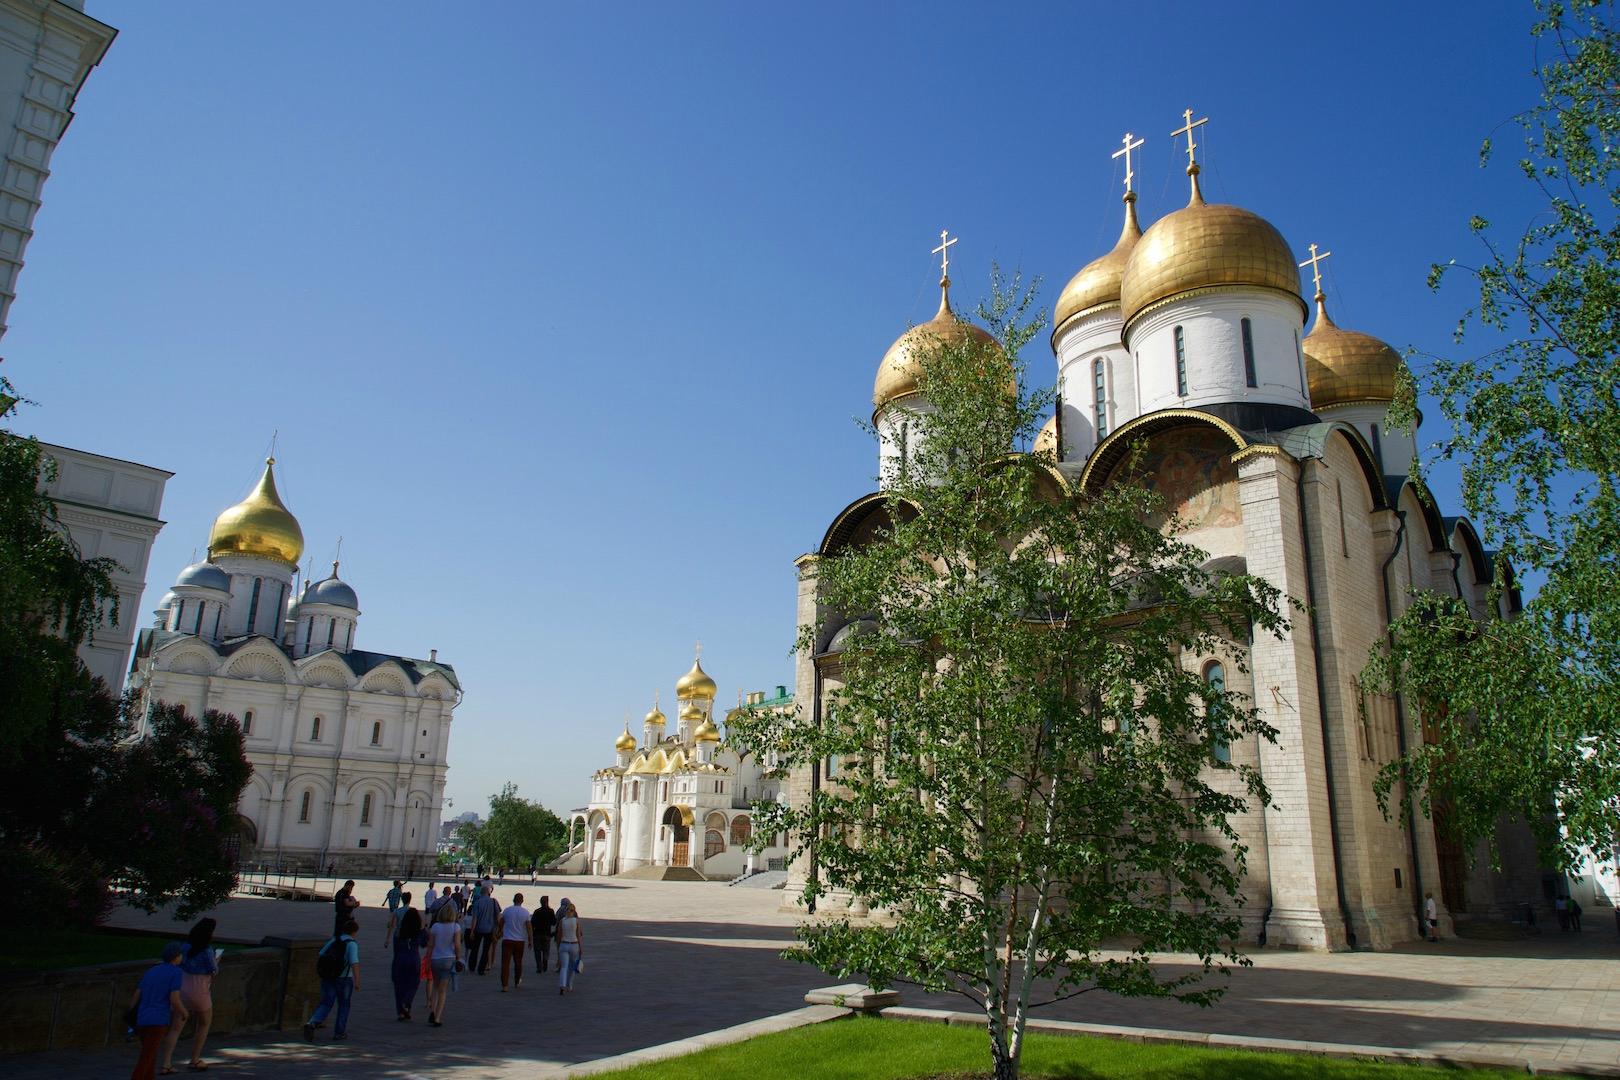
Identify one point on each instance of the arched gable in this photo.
(188, 656)
(1464, 540)
(1312, 440)
(386, 678)
(325, 669)
(1112, 451)
(435, 687)
(856, 522)
(259, 659)
(1429, 519)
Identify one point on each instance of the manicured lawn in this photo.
(865, 1049)
(78, 948)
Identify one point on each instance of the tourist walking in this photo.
(1431, 917)
(198, 966)
(430, 899)
(155, 1007)
(1574, 914)
(392, 901)
(570, 945)
(343, 905)
(444, 961)
(543, 925)
(514, 935)
(407, 970)
(339, 966)
(486, 913)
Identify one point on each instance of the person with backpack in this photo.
(338, 965)
(156, 1007)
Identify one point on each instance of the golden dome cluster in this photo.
(259, 525)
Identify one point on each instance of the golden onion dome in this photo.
(655, 717)
(1046, 438)
(1202, 246)
(1344, 367)
(898, 373)
(691, 713)
(706, 732)
(696, 684)
(625, 743)
(259, 525)
(1097, 283)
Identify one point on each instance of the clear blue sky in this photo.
(563, 311)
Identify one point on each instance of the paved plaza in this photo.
(671, 960)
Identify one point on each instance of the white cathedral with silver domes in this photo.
(681, 806)
(348, 747)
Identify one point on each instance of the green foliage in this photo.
(1025, 746)
(518, 833)
(82, 804)
(1526, 715)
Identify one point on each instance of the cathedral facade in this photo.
(680, 805)
(1264, 429)
(349, 748)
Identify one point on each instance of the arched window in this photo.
(202, 606)
(1181, 362)
(713, 844)
(331, 628)
(1248, 353)
(740, 830)
(253, 604)
(309, 631)
(663, 791)
(247, 722)
(303, 805)
(1099, 380)
(1215, 677)
(315, 730)
(376, 733)
(179, 615)
(365, 809)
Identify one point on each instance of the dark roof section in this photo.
(358, 661)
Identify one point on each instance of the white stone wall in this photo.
(1211, 325)
(110, 508)
(1085, 342)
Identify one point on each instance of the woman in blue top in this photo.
(157, 1006)
(197, 969)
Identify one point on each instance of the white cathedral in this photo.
(348, 747)
(680, 806)
(1271, 444)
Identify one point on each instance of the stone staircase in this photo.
(662, 873)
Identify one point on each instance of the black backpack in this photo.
(329, 961)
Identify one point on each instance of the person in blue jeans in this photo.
(338, 991)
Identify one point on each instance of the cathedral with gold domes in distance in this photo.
(679, 806)
(349, 748)
(1264, 428)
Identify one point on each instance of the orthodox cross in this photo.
(1187, 130)
(273, 436)
(1315, 263)
(1125, 152)
(944, 253)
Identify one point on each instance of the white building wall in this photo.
(110, 508)
(1211, 325)
(1083, 344)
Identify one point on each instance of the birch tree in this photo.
(1026, 765)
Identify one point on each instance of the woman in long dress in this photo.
(409, 938)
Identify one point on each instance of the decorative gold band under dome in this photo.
(260, 525)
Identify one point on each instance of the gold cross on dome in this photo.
(944, 253)
(1125, 152)
(1315, 263)
(1187, 130)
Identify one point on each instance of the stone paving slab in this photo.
(668, 961)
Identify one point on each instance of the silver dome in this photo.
(332, 591)
(205, 575)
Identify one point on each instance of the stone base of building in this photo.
(357, 864)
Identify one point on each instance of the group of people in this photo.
(454, 931)
(171, 993)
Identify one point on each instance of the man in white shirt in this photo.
(514, 935)
(430, 899)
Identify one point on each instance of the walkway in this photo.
(669, 960)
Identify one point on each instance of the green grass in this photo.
(80, 948)
(867, 1049)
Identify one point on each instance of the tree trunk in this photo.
(1006, 1064)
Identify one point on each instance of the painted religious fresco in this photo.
(1191, 468)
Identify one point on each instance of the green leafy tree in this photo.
(82, 804)
(517, 833)
(1524, 713)
(1028, 762)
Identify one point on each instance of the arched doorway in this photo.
(679, 820)
(244, 836)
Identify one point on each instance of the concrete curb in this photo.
(810, 1014)
(1394, 1054)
